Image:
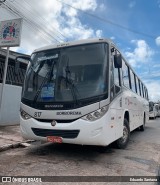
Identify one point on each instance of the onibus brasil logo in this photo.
(9, 32)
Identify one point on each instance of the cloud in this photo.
(156, 65)
(132, 4)
(102, 7)
(158, 41)
(55, 20)
(112, 38)
(84, 5)
(154, 90)
(141, 54)
(99, 33)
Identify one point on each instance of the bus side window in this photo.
(138, 90)
(133, 84)
(125, 75)
(115, 80)
(112, 80)
(142, 90)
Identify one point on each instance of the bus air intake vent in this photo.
(69, 134)
(57, 120)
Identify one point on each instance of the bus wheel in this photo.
(122, 142)
(142, 127)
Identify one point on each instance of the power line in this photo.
(28, 23)
(21, 12)
(37, 26)
(108, 21)
(2, 1)
(37, 18)
(33, 18)
(44, 19)
(34, 24)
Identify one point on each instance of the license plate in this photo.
(54, 139)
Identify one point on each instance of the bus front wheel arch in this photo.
(122, 142)
(142, 127)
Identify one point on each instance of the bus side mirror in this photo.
(17, 63)
(118, 61)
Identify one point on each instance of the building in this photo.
(10, 105)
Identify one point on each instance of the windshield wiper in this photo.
(47, 76)
(70, 82)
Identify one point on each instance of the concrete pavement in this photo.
(10, 137)
(140, 158)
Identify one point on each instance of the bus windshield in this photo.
(67, 74)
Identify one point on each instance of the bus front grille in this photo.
(69, 134)
(57, 120)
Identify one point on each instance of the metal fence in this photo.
(11, 77)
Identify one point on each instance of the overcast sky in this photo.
(51, 21)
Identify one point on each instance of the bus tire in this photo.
(142, 127)
(122, 142)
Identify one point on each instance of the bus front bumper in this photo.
(151, 115)
(80, 131)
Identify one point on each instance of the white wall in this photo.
(9, 113)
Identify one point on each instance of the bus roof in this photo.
(73, 43)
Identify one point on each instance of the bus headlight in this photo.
(96, 114)
(24, 115)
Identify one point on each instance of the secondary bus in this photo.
(153, 110)
(82, 92)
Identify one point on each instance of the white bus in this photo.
(82, 92)
(153, 110)
(158, 110)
